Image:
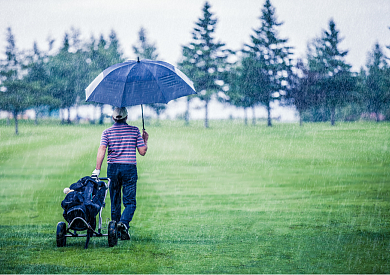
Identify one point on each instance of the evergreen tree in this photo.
(388, 45)
(143, 49)
(114, 48)
(336, 82)
(267, 61)
(67, 71)
(16, 95)
(376, 93)
(102, 54)
(38, 78)
(302, 89)
(239, 93)
(204, 59)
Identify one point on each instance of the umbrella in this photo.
(139, 82)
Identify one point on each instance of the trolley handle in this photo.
(107, 179)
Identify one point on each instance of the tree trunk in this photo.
(77, 115)
(300, 119)
(15, 113)
(158, 117)
(377, 116)
(332, 115)
(101, 114)
(77, 110)
(62, 115)
(68, 116)
(8, 120)
(269, 115)
(206, 120)
(36, 116)
(245, 116)
(187, 113)
(254, 116)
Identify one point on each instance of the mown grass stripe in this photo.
(230, 199)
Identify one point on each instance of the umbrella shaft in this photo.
(143, 124)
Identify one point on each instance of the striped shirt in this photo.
(122, 140)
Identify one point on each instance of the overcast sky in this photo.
(169, 22)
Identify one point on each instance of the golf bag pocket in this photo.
(73, 206)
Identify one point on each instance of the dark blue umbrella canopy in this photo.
(139, 82)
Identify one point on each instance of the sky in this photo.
(169, 23)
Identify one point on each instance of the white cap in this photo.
(119, 113)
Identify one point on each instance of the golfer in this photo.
(122, 140)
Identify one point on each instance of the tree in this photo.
(100, 55)
(114, 48)
(103, 54)
(67, 71)
(239, 93)
(16, 95)
(388, 45)
(376, 91)
(336, 82)
(204, 59)
(60, 69)
(387, 112)
(267, 61)
(143, 49)
(38, 78)
(303, 89)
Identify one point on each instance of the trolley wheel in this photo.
(112, 234)
(61, 232)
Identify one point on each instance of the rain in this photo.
(271, 156)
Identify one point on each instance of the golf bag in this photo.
(83, 203)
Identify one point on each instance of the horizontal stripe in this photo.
(122, 140)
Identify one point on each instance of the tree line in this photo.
(322, 86)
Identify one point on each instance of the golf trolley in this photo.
(80, 208)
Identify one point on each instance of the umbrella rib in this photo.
(165, 84)
(123, 91)
(161, 90)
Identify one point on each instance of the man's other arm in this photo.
(142, 150)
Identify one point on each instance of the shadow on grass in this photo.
(32, 249)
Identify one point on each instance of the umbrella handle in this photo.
(143, 124)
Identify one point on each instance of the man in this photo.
(121, 140)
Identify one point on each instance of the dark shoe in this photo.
(123, 231)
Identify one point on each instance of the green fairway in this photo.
(229, 199)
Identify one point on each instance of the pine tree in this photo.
(114, 48)
(143, 48)
(336, 82)
(237, 91)
(101, 54)
(38, 78)
(146, 50)
(67, 71)
(302, 89)
(267, 61)
(376, 92)
(204, 59)
(388, 46)
(16, 95)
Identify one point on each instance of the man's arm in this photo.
(100, 156)
(142, 150)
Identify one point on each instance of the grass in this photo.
(229, 199)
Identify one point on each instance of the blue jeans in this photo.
(123, 178)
